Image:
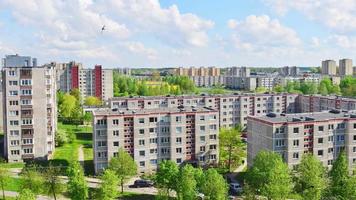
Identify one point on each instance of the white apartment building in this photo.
(29, 110)
(180, 134)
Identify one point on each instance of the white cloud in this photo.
(139, 48)
(339, 15)
(260, 33)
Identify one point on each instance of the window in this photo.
(153, 151)
(142, 163)
(212, 147)
(202, 148)
(101, 122)
(26, 92)
(115, 144)
(330, 150)
(27, 151)
(13, 113)
(13, 103)
(355, 125)
(152, 130)
(178, 119)
(141, 142)
(341, 126)
(141, 120)
(14, 142)
(12, 82)
(295, 155)
(212, 127)
(295, 143)
(179, 140)
(115, 121)
(202, 128)
(321, 128)
(27, 141)
(165, 140)
(279, 143)
(102, 154)
(142, 153)
(354, 137)
(295, 130)
(153, 140)
(15, 152)
(178, 150)
(178, 129)
(354, 149)
(14, 133)
(26, 82)
(26, 102)
(14, 122)
(179, 160)
(101, 143)
(202, 118)
(320, 152)
(142, 131)
(115, 133)
(26, 121)
(320, 140)
(202, 138)
(100, 133)
(12, 73)
(13, 93)
(153, 119)
(331, 126)
(153, 161)
(212, 137)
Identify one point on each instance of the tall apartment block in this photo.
(233, 109)
(318, 103)
(345, 67)
(202, 76)
(289, 71)
(328, 67)
(90, 82)
(180, 134)
(323, 134)
(239, 78)
(29, 109)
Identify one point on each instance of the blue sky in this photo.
(170, 33)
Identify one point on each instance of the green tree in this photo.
(61, 137)
(76, 186)
(269, 176)
(260, 90)
(68, 105)
(32, 179)
(340, 178)
(92, 101)
(278, 89)
(323, 90)
(215, 186)
(231, 146)
(166, 176)
(124, 166)
(76, 93)
(186, 183)
(26, 194)
(4, 177)
(52, 180)
(108, 187)
(88, 117)
(311, 179)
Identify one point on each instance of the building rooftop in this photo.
(115, 111)
(305, 117)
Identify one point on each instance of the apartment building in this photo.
(323, 134)
(29, 109)
(345, 67)
(233, 109)
(328, 67)
(289, 71)
(238, 71)
(317, 103)
(207, 81)
(241, 83)
(267, 82)
(90, 82)
(181, 134)
(201, 71)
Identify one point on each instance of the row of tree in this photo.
(175, 85)
(325, 87)
(270, 177)
(348, 86)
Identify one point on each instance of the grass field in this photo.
(69, 152)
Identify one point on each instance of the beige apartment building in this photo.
(90, 82)
(323, 134)
(29, 109)
(328, 67)
(200, 71)
(181, 134)
(317, 103)
(232, 109)
(345, 67)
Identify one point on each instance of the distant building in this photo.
(345, 67)
(238, 72)
(90, 82)
(241, 83)
(183, 135)
(323, 134)
(328, 67)
(267, 82)
(289, 71)
(124, 71)
(202, 76)
(29, 109)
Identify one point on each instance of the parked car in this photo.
(235, 187)
(142, 183)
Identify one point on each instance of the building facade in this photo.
(183, 135)
(328, 67)
(324, 134)
(96, 82)
(29, 111)
(289, 71)
(345, 67)
(200, 71)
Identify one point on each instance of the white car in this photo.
(236, 187)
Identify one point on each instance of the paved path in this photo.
(233, 174)
(81, 156)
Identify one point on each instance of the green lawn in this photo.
(13, 184)
(69, 152)
(12, 165)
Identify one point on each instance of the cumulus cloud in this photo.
(261, 33)
(339, 15)
(139, 48)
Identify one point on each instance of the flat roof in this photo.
(306, 117)
(115, 111)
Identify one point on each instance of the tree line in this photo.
(325, 87)
(174, 85)
(270, 177)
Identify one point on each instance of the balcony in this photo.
(28, 156)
